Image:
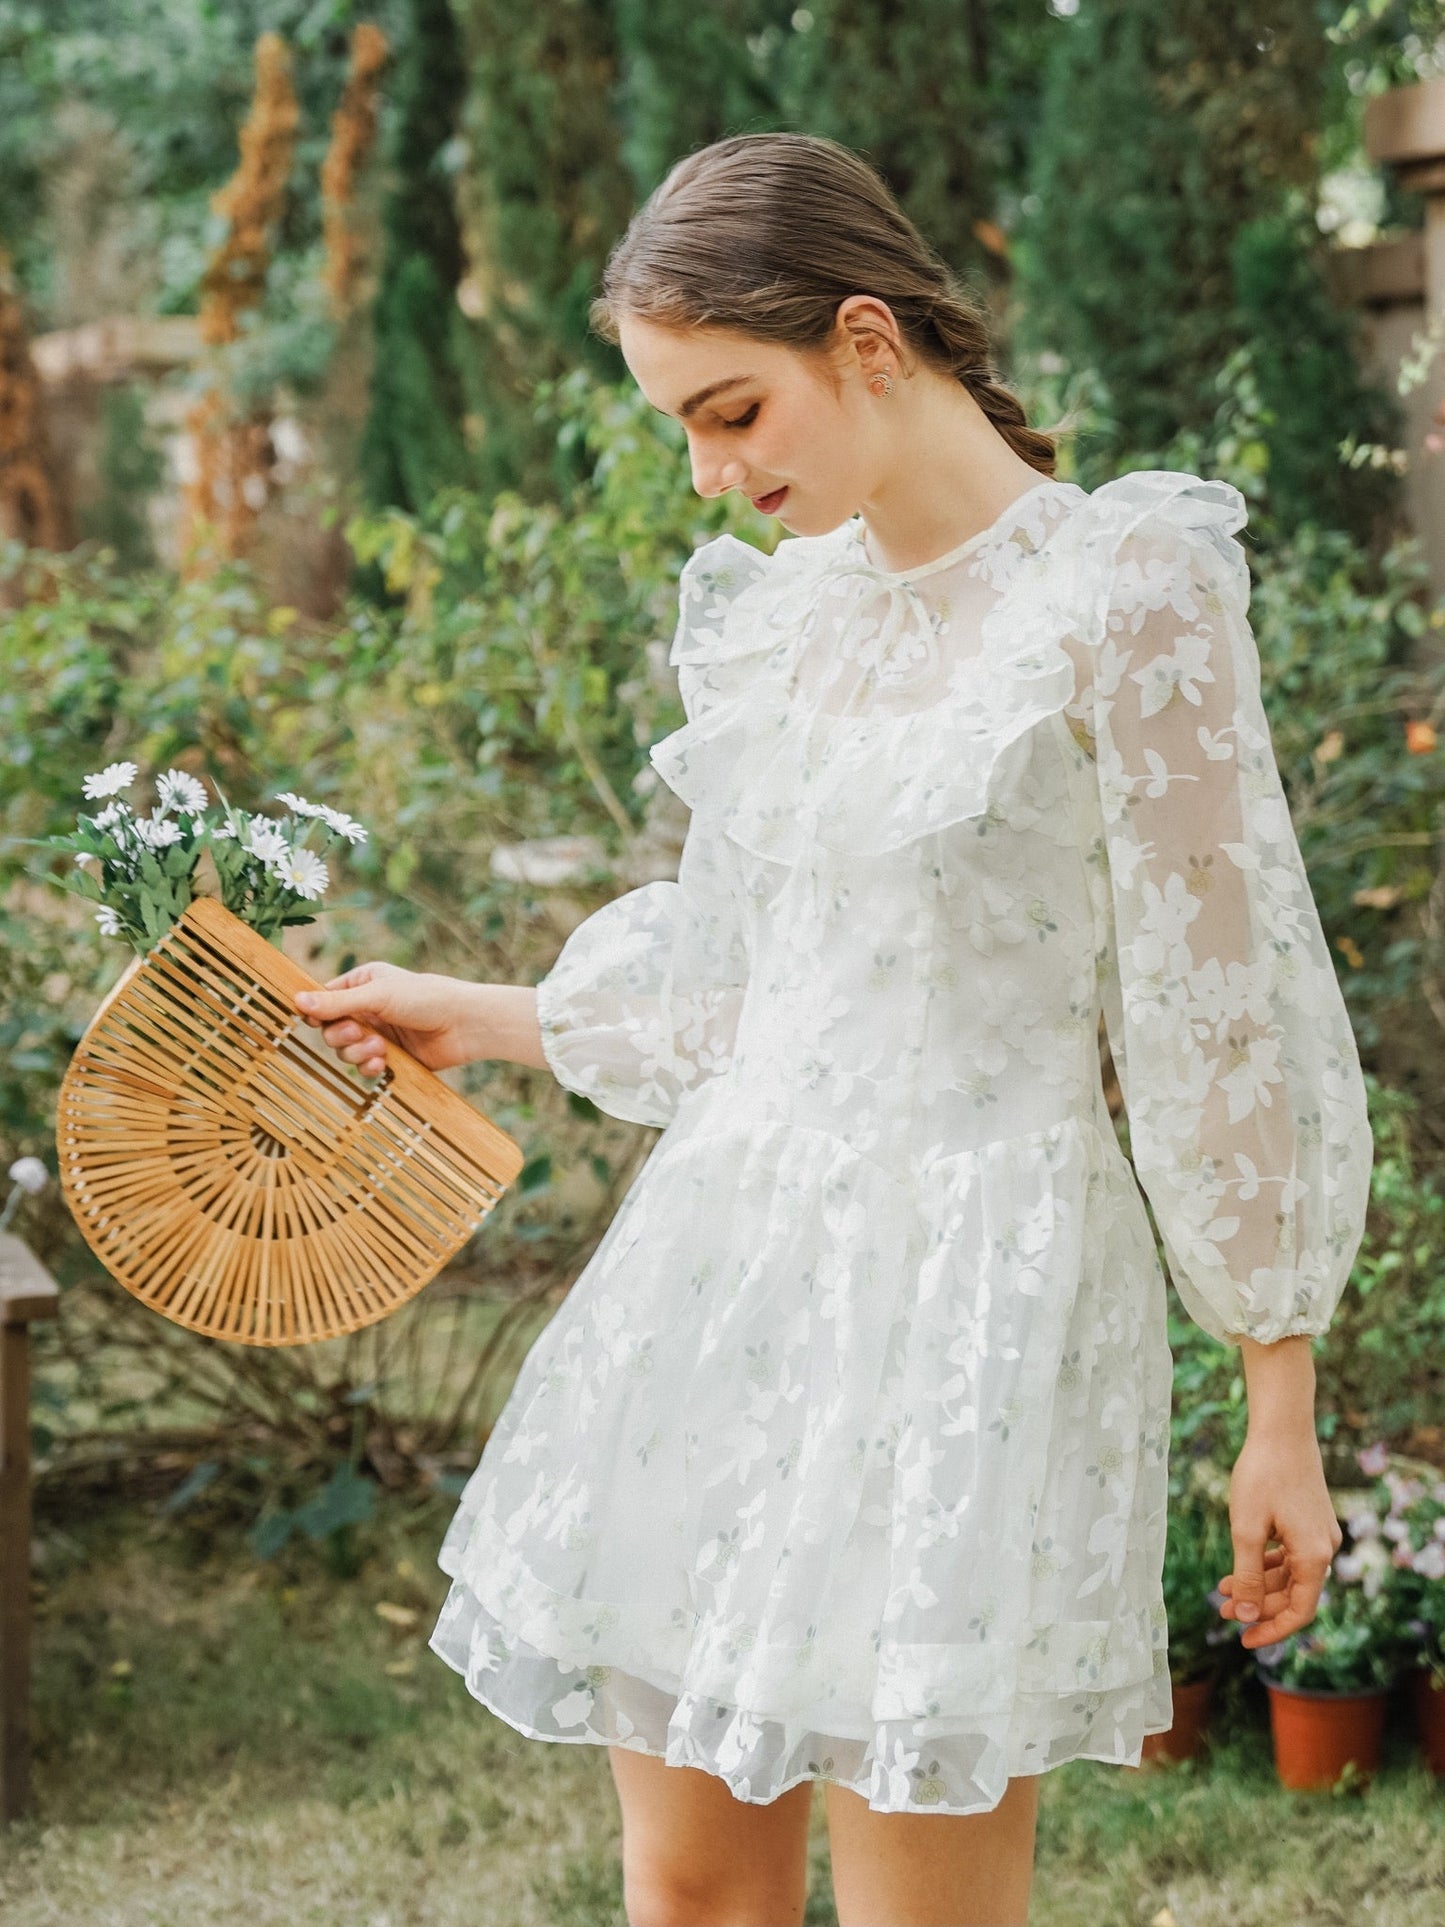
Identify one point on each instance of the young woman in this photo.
(845, 1456)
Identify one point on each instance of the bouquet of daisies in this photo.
(140, 868)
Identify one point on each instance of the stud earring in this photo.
(885, 378)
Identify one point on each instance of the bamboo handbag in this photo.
(231, 1173)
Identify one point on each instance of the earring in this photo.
(885, 378)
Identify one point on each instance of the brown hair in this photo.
(767, 233)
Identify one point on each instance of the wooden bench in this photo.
(27, 1291)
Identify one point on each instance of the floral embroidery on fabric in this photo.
(846, 1453)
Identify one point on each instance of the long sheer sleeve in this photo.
(643, 1000)
(1240, 1075)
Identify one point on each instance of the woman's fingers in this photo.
(1274, 1571)
(1274, 1555)
(357, 1045)
(1276, 1577)
(1275, 1586)
(1249, 1573)
(366, 1050)
(326, 1006)
(1287, 1613)
(1291, 1598)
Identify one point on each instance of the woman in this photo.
(845, 1457)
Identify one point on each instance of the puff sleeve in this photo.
(643, 1000)
(1235, 1053)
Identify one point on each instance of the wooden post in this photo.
(1404, 128)
(26, 1291)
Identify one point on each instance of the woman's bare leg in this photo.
(933, 1869)
(693, 1855)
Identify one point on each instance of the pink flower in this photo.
(1373, 1459)
(1403, 1491)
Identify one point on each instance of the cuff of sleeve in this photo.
(549, 1023)
(1270, 1330)
(1220, 1312)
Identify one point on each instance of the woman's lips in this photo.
(769, 504)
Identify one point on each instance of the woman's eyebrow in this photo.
(696, 401)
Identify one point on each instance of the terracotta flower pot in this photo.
(1317, 1734)
(1430, 1720)
(1185, 1738)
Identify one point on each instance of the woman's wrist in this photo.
(1280, 1382)
(499, 1022)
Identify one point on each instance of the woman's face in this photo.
(762, 419)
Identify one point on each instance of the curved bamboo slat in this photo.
(229, 1171)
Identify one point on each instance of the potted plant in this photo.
(1398, 1546)
(1328, 1685)
(1196, 1552)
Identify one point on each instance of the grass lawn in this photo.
(225, 1741)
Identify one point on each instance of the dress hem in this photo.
(519, 1725)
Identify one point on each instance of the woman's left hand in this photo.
(1277, 1491)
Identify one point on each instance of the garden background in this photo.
(312, 478)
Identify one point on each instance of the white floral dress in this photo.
(845, 1455)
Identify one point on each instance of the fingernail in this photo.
(1248, 1611)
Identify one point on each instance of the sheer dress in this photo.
(845, 1455)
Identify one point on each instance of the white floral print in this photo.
(846, 1454)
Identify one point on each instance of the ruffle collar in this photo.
(919, 742)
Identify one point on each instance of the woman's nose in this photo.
(712, 477)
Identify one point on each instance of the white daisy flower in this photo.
(343, 825)
(110, 816)
(108, 920)
(220, 831)
(265, 840)
(298, 805)
(30, 1174)
(178, 790)
(157, 832)
(82, 857)
(302, 871)
(110, 781)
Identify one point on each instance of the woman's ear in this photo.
(869, 335)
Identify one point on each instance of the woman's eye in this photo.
(743, 421)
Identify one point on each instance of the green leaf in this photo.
(536, 1173)
(194, 1483)
(345, 1500)
(271, 1532)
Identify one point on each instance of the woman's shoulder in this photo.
(1170, 505)
(726, 584)
(1149, 526)
(726, 564)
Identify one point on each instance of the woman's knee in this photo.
(668, 1898)
(693, 1855)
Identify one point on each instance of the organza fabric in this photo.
(846, 1454)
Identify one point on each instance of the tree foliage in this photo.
(1151, 259)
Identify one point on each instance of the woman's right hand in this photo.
(423, 1012)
